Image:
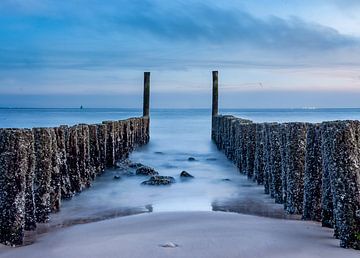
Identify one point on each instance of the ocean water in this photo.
(176, 135)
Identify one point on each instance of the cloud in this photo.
(60, 47)
(347, 3)
(202, 22)
(138, 34)
(179, 21)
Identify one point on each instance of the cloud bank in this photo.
(64, 47)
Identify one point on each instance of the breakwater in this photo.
(41, 166)
(312, 169)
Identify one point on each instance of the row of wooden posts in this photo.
(312, 169)
(41, 166)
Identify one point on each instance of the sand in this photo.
(197, 234)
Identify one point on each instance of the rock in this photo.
(117, 177)
(124, 164)
(226, 180)
(136, 165)
(159, 180)
(146, 171)
(159, 152)
(127, 173)
(185, 174)
(191, 159)
(118, 166)
(169, 245)
(149, 207)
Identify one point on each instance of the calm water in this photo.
(53, 117)
(176, 135)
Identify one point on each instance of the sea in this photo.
(176, 135)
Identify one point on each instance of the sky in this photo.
(269, 53)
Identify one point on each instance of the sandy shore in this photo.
(197, 234)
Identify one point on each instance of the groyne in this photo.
(312, 169)
(41, 166)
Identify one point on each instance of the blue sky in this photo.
(270, 53)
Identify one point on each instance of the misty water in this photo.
(176, 135)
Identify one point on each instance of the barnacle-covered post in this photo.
(16, 173)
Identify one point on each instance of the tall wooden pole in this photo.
(146, 106)
(215, 94)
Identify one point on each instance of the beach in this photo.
(197, 234)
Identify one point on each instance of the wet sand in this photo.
(195, 234)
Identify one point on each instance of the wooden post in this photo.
(215, 107)
(146, 107)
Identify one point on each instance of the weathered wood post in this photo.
(215, 93)
(146, 107)
(16, 172)
(215, 103)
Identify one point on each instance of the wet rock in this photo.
(117, 177)
(136, 165)
(159, 180)
(186, 174)
(169, 245)
(191, 159)
(123, 165)
(146, 171)
(127, 173)
(118, 165)
(149, 207)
